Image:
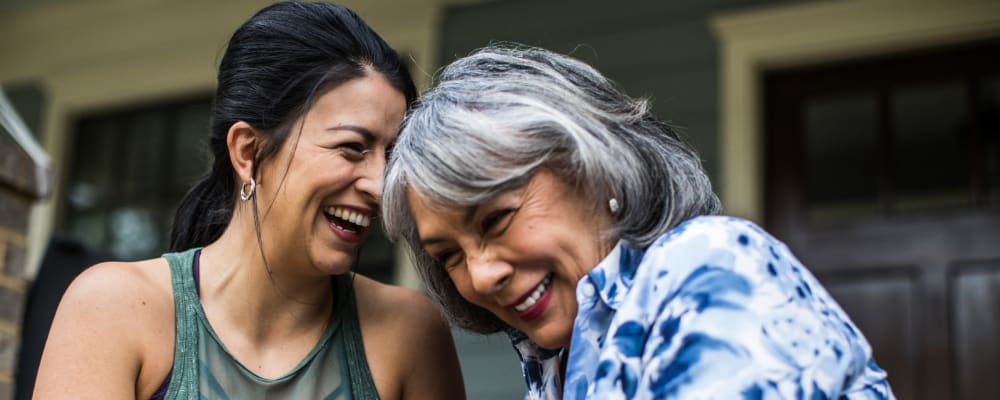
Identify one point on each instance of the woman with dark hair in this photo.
(257, 298)
(542, 201)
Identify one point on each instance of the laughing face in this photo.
(318, 196)
(519, 255)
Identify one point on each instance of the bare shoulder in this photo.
(393, 304)
(111, 319)
(110, 290)
(409, 347)
(122, 277)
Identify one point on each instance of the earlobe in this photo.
(242, 142)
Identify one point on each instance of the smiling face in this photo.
(519, 255)
(318, 197)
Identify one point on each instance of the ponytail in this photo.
(205, 210)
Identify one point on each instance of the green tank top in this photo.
(335, 369)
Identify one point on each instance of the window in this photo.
(129, 169)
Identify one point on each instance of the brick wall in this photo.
(13, 225)
(18, 190)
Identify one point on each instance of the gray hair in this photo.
(496, 116)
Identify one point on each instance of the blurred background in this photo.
(865, 134)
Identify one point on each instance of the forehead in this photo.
(430, 217)
(369, 101)
(545, 193)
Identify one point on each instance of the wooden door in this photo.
(883, 176)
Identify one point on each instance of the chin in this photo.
(551, 340)
(333, 262)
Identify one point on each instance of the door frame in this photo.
(753, 41)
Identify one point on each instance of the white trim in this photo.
(18, 130)
(753, 41)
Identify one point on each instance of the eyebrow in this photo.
(430, 241)
(368, 135)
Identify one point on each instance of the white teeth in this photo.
(344, 228)
(349, 216)
(530, 301)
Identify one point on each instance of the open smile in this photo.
(348, 224)
(531, 306)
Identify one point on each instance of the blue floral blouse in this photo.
(715, 308)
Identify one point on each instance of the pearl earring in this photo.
(613, 205)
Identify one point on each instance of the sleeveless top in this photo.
(335, 369)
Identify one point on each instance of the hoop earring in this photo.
(244, 195)
(613, 205)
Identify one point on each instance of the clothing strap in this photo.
(362, 385)
(184, 379)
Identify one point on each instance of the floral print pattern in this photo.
(715, 308)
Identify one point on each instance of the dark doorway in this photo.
(883, 176)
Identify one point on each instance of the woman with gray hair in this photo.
(540, 200)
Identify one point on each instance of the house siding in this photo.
(665, 50)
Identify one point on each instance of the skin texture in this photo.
(113, 334)
(500, 251)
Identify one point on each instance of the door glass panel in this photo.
(990, 131)
(134, 233)
(190, 159)
(120, 197)
(144, 145)
(190, 144)
(930, 144)
(89, 188)
(90, 228)
(841, 145)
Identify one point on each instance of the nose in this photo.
(371, 176)
(488, 273)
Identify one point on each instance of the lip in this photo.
(536, 310)
(350, 237)
(347, 236)
(525, 296)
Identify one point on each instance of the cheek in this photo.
(464, 287)
(527, 244)
(335, 177)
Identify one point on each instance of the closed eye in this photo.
(447, 258)
(354, 151)
(496, 222)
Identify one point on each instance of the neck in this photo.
(262, 298)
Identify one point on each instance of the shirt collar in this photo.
(612, 278)
(540, 367)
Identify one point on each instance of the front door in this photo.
(883, 176)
